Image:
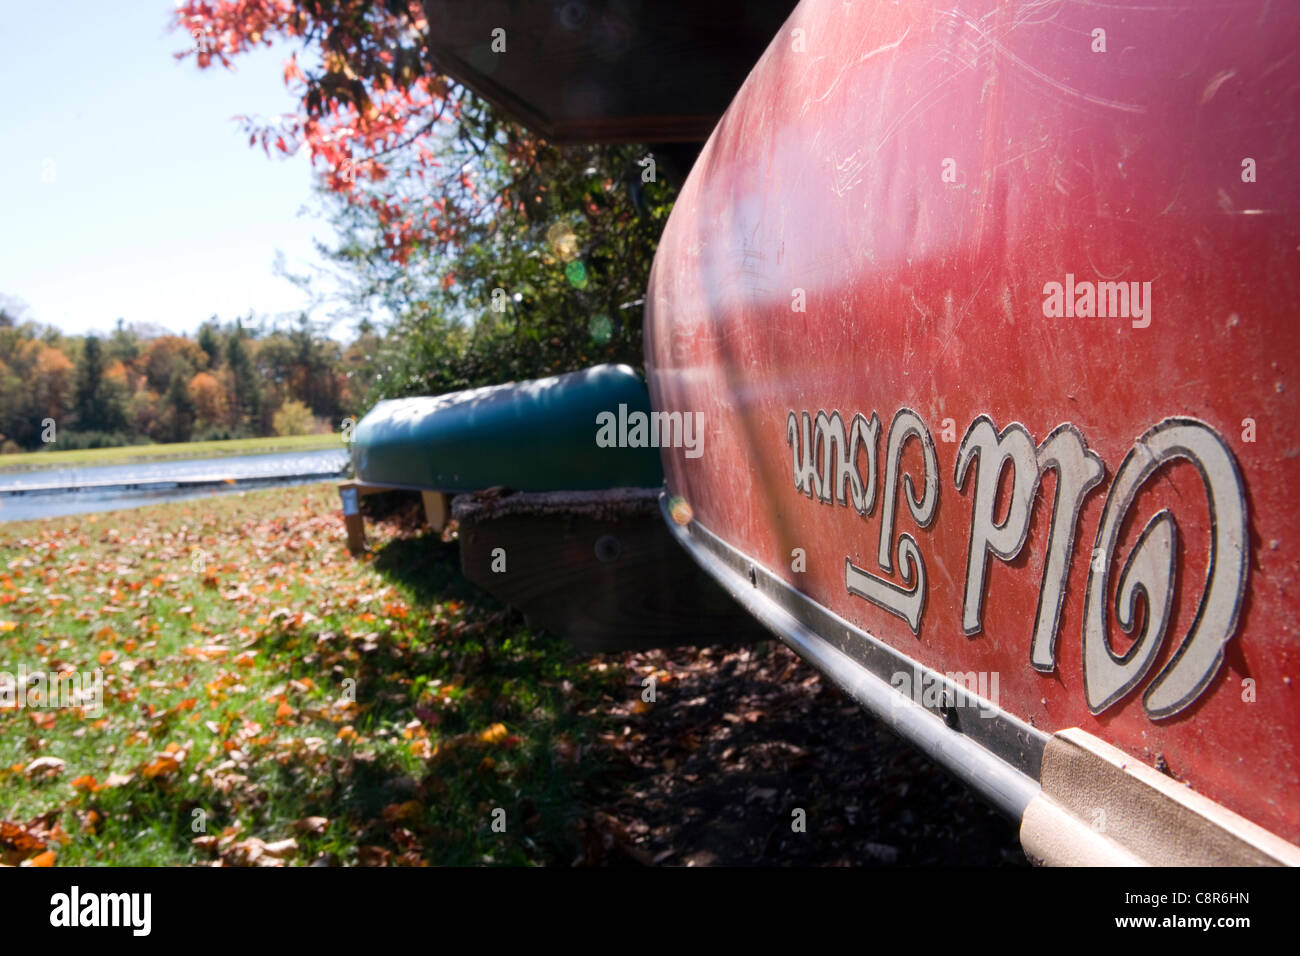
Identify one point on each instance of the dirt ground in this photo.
(738, 739)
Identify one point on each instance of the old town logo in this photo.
(828, 454)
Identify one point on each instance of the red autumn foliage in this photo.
(376, 118)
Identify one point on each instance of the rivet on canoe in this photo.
(753, 576)
(608, 548)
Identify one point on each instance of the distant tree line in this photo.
(237, 379)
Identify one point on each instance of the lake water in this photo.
(254, 470)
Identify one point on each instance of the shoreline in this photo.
(143, 454)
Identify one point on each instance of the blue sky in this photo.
(158, 210)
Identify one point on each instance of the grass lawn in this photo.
(30, 461)
(268, 699)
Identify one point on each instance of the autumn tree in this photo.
(209, 340)
(372, 111)
(245, 389)
(209, 397)
(124, 343)
(100, 402)
(494, 254)
(180, 413)
(90, 381)
(168, 355)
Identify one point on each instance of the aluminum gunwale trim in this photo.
(860, 665)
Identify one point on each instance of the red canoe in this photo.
(990, 314)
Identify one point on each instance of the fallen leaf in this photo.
(494, 734)
(44, 767)
(161, 766)
(281, 849)
(373, 855)
(402, 812)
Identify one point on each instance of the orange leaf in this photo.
(161, 766)
(494, 734)
(402, 812)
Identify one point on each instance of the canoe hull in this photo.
(993, 338)
(530, 436)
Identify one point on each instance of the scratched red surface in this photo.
(826, 175)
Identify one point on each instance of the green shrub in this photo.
(293, 418)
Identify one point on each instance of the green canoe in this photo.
(529, 436)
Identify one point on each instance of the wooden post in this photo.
(435, 509)
(350, 493)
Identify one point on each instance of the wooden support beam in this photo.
(437, 509)
(351, 493)
(598, 568)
